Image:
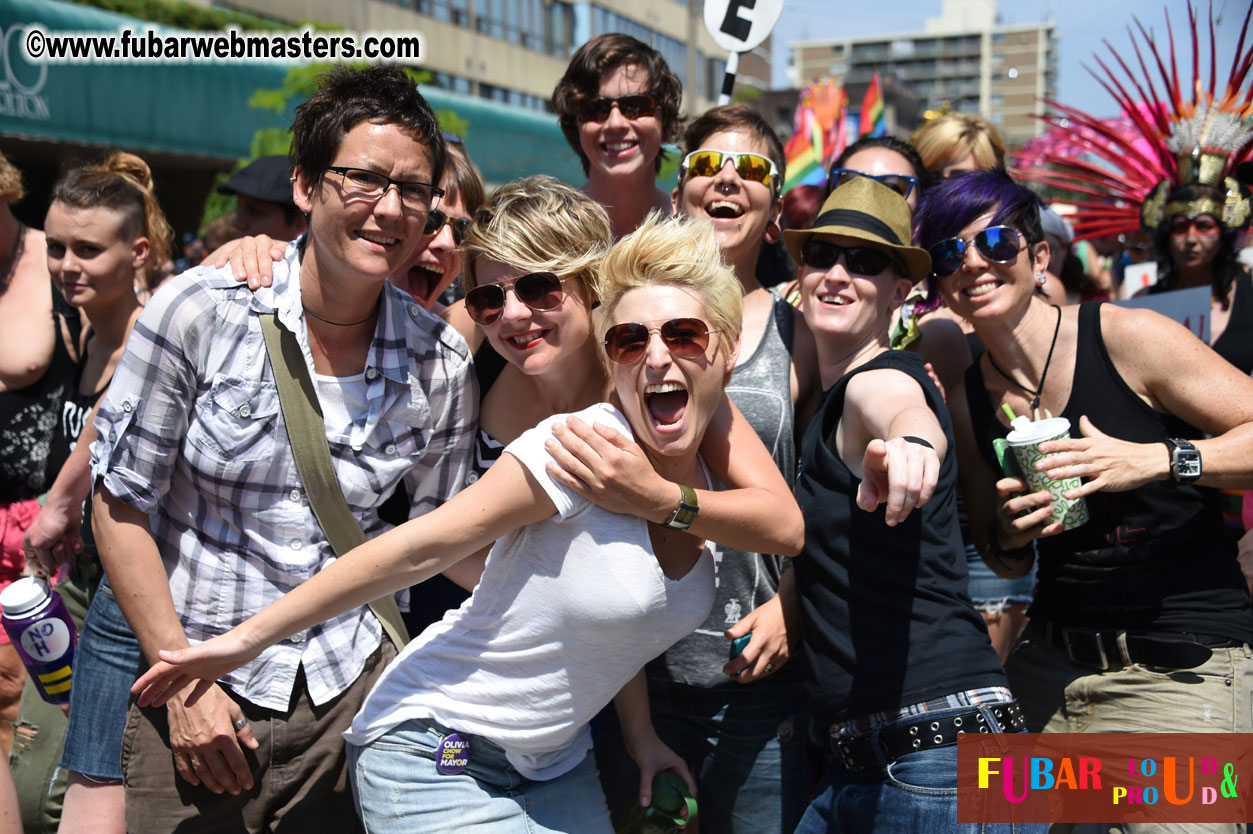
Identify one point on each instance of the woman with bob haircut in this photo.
(898, 662)
(618, 104)
(482, 721)
(1141, 617)
(956, 143)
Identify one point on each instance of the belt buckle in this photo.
(1069, 644)
(847, 749)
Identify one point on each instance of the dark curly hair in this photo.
(346, 98)
(603, 54)
(1226, 265)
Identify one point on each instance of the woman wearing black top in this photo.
(1148, 587)
(891, 639)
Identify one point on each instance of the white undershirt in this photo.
(344, 407)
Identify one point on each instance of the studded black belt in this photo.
(887, 744)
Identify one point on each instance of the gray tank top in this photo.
(761, 388)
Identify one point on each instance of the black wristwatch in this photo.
(686, 513)
(1185, 461)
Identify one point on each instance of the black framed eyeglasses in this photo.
(707, 162)
(436, 220)
(541, 291)
(631, 107)
(371, 185)
(902, 184)
(999, 244)
(862, 260)
(626, 344)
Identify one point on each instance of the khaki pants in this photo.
(1059, 696)
(299, 769)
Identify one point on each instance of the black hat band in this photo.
(856, 220)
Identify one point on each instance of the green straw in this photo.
(1009, 412)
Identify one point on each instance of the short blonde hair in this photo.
(947, 137)
(677, 252)
(538, 224)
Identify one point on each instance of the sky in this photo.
(1081, 24)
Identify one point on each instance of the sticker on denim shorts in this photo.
(453, 754)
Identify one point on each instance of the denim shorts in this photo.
(993, 593)
(399, 791)
(106, 662)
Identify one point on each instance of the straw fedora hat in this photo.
(866, 210)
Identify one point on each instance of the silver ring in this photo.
(240, 724)
(769, 668)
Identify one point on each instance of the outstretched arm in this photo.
(756, 512)
(504, 499)
(885, 417)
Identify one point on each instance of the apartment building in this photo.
(965, 58)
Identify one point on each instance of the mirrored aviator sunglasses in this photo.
(862, 260)
(541, 291)
(999, 244)
(626, 344)
(436, 220)
(631, 107)
(707, 162)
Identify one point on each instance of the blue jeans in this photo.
(916, 793)
(399, 791)
(106, 663)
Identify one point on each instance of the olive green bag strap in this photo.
(312, 453)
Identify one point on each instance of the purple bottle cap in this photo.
(453, 754)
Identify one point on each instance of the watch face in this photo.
(1187, 463)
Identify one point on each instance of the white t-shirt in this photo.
(568, 610)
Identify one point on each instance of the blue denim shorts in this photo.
(993, 593)
(398, 790)
(106, 662)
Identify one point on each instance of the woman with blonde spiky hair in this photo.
(482, 720)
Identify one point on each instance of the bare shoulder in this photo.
(1137, 337)
(881, 386)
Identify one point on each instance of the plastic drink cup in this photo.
(43, 634)
(1024, 441)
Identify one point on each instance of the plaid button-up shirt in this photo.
(191, 434)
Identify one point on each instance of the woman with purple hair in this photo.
(1148, 587)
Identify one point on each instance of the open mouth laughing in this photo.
(667, 404)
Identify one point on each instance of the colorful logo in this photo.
(1104, 777)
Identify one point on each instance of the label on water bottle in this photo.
(46, 640)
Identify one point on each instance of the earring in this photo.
(1039, 278)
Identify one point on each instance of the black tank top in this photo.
(29, 415)
(1156, 558)
(888, 621)
(1236, 343)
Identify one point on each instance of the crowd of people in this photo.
(424, 508)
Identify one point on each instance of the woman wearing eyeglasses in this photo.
(481, 723)
(897, 660)
(437, 264)
(617, 103)
(1141, 617)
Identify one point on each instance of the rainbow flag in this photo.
(818, 134)
(873, 119)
